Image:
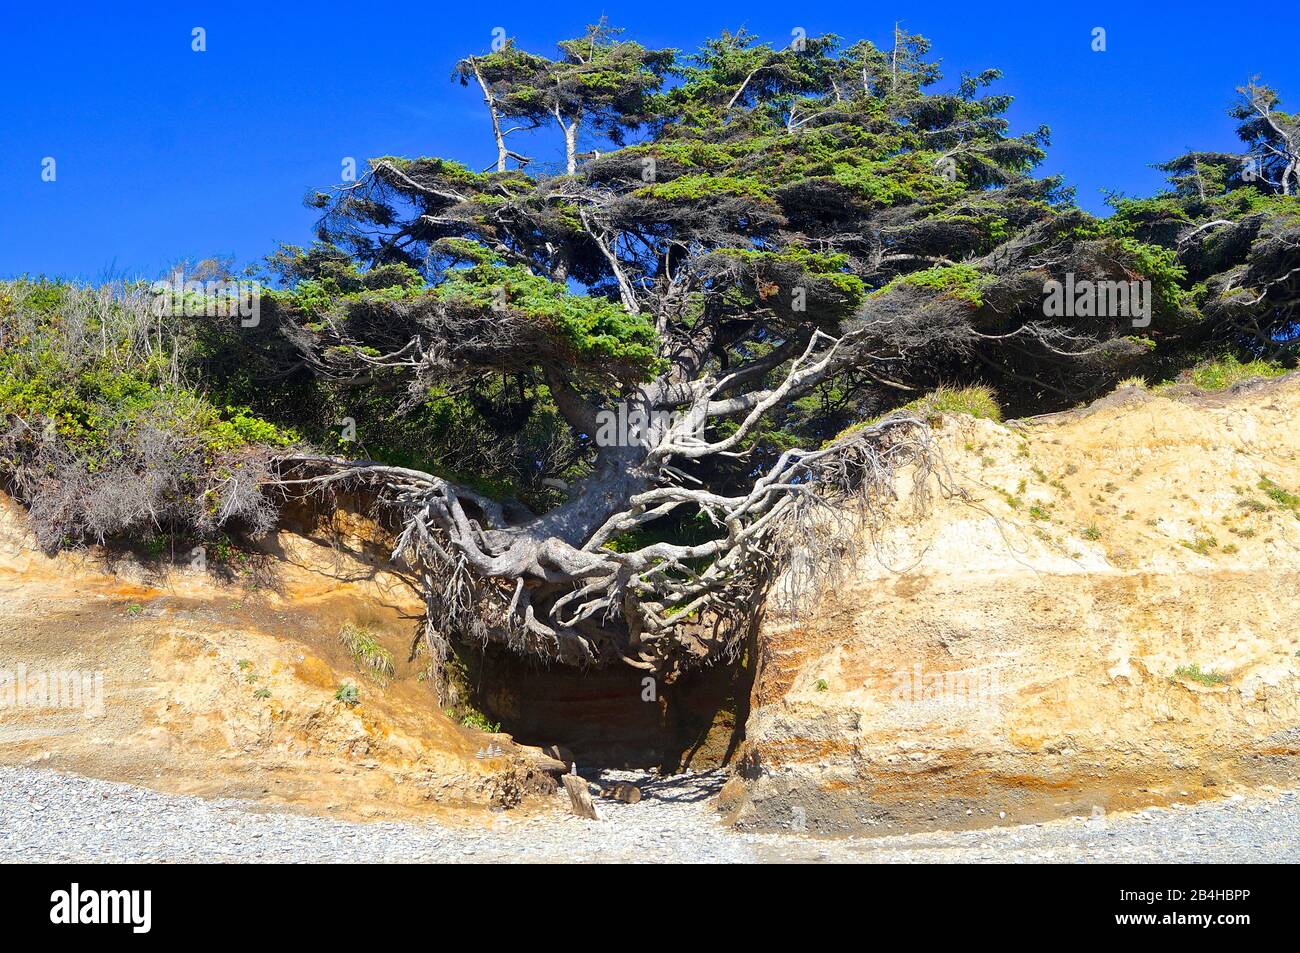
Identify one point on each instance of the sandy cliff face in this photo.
(1105, 616)
(192, 684)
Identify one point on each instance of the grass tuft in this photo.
(975, 401)
(1281, 497)
(1194, 673)
(1202, 545)
(366, 650)
(1225, 371)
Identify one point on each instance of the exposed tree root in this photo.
(662, 607)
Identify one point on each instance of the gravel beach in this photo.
(47, 817)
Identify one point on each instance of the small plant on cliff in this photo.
(1281, 497)
(1224, 372)
(1194, 673)
(479, 721)
(1202, 545)
(366, 651)
(347, 694)
(976, 401)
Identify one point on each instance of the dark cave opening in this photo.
(616, 717)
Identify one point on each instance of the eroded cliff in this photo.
(1101, 613)
(222, 680)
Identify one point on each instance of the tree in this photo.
(599, 83)
(1272, 136)
(657, 351)
(1232, 224)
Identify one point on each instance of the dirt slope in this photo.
(227, 688)
(1104, 617)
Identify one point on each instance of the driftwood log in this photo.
(580, 796)
(627, 793)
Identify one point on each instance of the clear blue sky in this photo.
(165, 154)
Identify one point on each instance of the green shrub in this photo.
(100, 437)
(479, 721)
(1202, 545)
(974, 401)
(962, 282)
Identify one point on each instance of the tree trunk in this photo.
(492, 111)
(571, 145)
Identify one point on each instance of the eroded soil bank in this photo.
(1101, 616)
(221, 681)
(226, 686)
